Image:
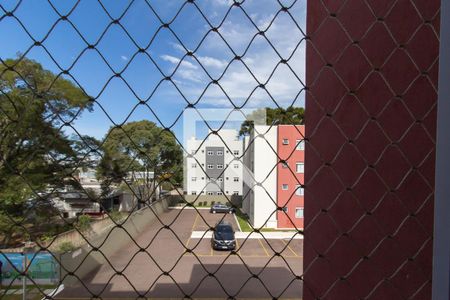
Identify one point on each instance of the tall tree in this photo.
(140, 147)
(34, 153)
(274, 116)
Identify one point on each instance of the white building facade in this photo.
(260, 184)
(214, 166)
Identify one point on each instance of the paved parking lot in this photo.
(166, 270)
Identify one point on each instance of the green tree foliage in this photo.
(34, 153)
(274, 116)
(140, 147)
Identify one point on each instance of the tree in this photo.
(274, 116)
(140, 147)
(34, 153)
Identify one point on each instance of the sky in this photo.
(117, 45)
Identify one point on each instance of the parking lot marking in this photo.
(237, 247)
(265, 250)
(193, 226)
(289, 247)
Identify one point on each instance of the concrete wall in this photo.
(77, 264)
(371, 73)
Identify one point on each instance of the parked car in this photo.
(223, 237)
(221, 208)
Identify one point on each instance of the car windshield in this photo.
(224, 229)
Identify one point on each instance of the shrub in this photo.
(115, 215)
(46, 237)
(66, 247)
(83, 223)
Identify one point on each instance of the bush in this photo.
(66, 247)
(115, 215)
(83, 223)
(46, 237)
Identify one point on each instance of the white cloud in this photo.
(260, 58)
(178, 47)
(176, 60)
(208, 61)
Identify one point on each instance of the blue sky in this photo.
(115, 99)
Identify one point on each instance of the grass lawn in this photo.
(243, 221)
(245, 226)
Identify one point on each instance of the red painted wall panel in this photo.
(289, 176)
(371, 73)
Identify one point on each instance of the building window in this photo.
(236, 179)
(210, 193)
(219, 166)
(210, 152)
(236, 166)
(236, 152)
(300, 145)
(235, 193)
(285, 165)
(300, 168)
(299, 212)
(285, 141)
(210, 167)
(203, 178)
(194, 178)
(219, 153)
(194, 165)
(203, 151)
(219, 193)
(284, 187)
(194, 193)
(220, 179)
(299, 190)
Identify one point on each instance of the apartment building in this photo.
(260, 178)
(213, 166)
(273, 176)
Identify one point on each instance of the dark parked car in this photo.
(223, 237)
(221, 208)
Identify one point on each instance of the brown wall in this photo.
(79, 263)
(370, 120)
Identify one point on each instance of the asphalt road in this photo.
(166, 270)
